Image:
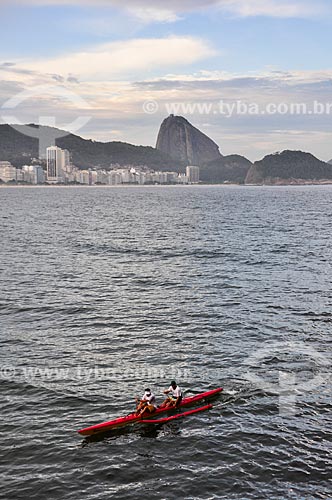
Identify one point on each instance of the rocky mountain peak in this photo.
(182, 141)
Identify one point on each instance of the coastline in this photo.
(186, 186)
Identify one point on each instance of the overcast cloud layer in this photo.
(117, 113)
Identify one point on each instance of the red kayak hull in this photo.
(175, 417)
(132, 418)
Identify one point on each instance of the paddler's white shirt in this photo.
(151, 399)
(176, 393)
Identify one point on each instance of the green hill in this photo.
(288, 166)
(232, 168)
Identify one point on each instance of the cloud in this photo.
(72, 79)
(272, 8)
(147, 14)
(11, 67)
(117, 106)
(248, 134)
(169, 13)
(117, 59)
(8, 88)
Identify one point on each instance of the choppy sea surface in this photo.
(105, 291)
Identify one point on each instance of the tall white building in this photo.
(192, 172)
(114, 177)
(67, 157)
(7, 172)
(33, 174)
(56, 162)
(84, 177)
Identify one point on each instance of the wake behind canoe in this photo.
(132, 418)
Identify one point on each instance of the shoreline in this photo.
(136, 186)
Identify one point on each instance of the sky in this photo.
(254, 75)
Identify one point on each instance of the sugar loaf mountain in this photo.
(179, 144)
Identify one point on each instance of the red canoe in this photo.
(175, 417)
(132, 418)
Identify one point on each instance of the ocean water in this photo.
(105, 291)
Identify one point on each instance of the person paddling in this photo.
(176, 396)
(147, 404)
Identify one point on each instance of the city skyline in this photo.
(59, 169)
(116, 58)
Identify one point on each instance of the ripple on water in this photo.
(120, 288)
